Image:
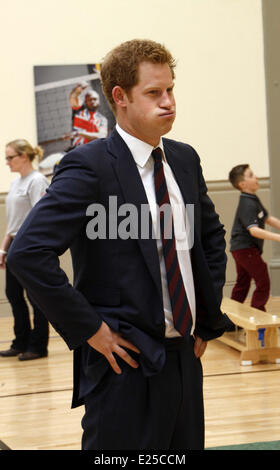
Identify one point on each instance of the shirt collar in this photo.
(140, 150)
(254, 196)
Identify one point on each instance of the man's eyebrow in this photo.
(159, 87)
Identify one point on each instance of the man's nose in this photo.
(167, 101)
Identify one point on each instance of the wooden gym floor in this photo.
(242, 403)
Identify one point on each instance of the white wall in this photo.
(220, 87)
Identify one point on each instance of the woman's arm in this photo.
(7, 240)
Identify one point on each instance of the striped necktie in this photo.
(181, 312)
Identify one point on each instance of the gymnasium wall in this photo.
(218, 44)
(220, 78)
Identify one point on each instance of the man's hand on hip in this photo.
(199, 346)
(107, 342)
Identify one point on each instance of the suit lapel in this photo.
(182, 175)
(134, 193)
(184, 179)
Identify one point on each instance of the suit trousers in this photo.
(26, 338)
(133, 412)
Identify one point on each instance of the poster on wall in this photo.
(71, 110)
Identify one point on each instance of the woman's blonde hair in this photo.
(23, 146)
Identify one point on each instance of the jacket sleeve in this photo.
(211, 323)
(47, 232)
(213, 240)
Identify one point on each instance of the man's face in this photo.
(250, 182)
(92, 101)
(150, 105)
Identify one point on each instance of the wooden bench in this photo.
(258, 342)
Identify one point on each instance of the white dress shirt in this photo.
(141, 152)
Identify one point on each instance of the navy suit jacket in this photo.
(115, 280)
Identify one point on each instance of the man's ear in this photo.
(119, 96)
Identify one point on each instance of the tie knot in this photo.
(157, 154)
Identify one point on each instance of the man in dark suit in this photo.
(142, 308)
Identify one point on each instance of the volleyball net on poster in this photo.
(54, 115)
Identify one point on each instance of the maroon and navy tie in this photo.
(182, 316)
